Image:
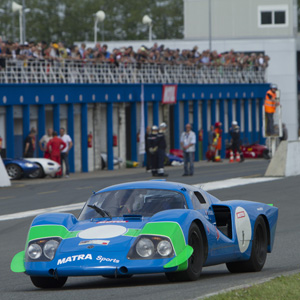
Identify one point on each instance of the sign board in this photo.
(169, 95)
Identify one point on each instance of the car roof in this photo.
(151, 184)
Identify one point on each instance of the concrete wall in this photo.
(235, 18)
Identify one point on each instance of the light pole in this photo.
(19, 8)
(99, 17)
(148, 21)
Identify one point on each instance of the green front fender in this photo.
(17, 263)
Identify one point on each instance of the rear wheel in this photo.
(14, 171)
(196, 260)
(48, 282)
(258, 252)
(39, 173)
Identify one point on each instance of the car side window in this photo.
(198, 200)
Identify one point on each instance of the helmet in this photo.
(163, 125)
(154, 128)
(273, 86)
(234, 123)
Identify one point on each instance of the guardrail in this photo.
(89, 71)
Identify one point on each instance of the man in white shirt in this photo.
(65, 152)
(44, 141)
(188, 141)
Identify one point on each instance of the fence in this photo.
(84, 71)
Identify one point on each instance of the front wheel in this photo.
(196, 260)
(14, 171)
(48, 282)
(39, 173)
(258, 252)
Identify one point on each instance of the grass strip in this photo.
(283, 287)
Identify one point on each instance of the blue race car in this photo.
(148, 227)
(17, 168)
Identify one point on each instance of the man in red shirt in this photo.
(54, 147)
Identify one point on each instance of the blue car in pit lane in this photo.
(148, 227)
(17, 168)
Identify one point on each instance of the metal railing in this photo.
(89, 71)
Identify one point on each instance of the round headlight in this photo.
(34, 251)
(164, 248)
(144, 247)
(50, 249)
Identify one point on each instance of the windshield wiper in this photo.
(100, 211)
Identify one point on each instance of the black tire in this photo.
(266, 154)
(48, 282)
(258, 252)
(39, 173)
(103, 165)
(196, 260)
(14, 171)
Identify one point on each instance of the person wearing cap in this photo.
(162, 145)
(270, 108)
(188, 141)
(235, 135)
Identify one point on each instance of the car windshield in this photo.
(144, 202)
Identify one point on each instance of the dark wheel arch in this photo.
(195, 262)
(258, 251)
(48, 282)
(38, 173)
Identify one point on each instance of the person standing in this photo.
(29, 144)
(65, 152)
(153, 149)
(147, 138)
(235, 147)
(44, 141)
(218, 141)
(270, 108)
(188, 141)
(54, 148)
(162, 145)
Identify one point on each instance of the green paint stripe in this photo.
(181, 259)
(45, 231)
(133, 232)
(17, 263)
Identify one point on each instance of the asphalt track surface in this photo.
(25, 195)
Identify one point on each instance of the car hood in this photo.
(112, 235)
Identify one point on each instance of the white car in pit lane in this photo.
(47, 167)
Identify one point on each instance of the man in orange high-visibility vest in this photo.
(270, 108)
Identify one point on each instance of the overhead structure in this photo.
(19, 8)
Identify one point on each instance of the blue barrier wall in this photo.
(206, 95)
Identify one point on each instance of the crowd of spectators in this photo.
(156, 54)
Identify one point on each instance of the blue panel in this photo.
(84, 139)
(260, 111)
(133, 132)
(146, 114)
(238, 115)
(204, 126)
(253, 121)
(230, 112)
(10, 145)
(185, 113)
(56, 117)
(213, 111)
(196, 127)
(246, 118)
(156, 113)
(26, 121)
(109, 124)
(176, 126)
(42, 126)
(222, 120)
(71, 134)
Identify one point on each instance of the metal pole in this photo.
(95, 31)
(21, 27)
(209, 24)
(102, 30)
(24, 22)
(150, 32)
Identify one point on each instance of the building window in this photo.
(272, 16)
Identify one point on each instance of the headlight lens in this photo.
(164, 248)
(50, 249)
(145, 247)
(34, 251)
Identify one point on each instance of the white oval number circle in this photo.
(243, 228)
(102, 232)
